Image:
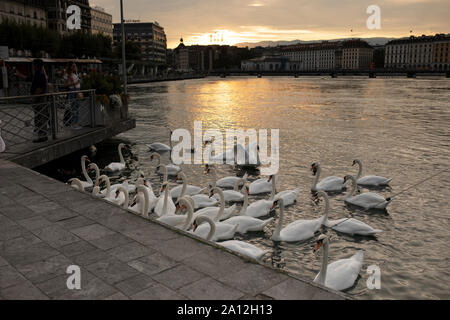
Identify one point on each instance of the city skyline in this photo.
(234, 22)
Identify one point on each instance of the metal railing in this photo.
(54, 115)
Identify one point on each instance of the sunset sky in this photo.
(235, 21)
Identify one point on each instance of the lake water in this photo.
(398, 127)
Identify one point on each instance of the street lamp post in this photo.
(124, 65)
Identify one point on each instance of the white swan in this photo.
(88, 183)
(172, 170)
(263, 185)
(256, 209)
(184, 189)
(329, 184)
(212, 231)
(76, 184)
(217, 213)
(373, 181)
(298, 230)
(141, 203)
(233, 195)
(165, 204)
(182, 222)
(244, 248)
(118, 166)
(341, 274)
(226, 182)
(368, 200)
(122, 198)
(93, 167)
(347, 225)
(289, 196)
(246, 224)
(151, 195)
(161, 147)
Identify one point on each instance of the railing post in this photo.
(92, 108)
(54, 118)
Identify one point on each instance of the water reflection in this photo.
(397, 127)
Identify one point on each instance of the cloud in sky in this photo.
(256, 20)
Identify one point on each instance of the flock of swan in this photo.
(203, 211)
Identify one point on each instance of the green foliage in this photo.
(104, 84)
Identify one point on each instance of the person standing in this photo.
(39, 84)
(73, 83)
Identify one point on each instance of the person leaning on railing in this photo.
(73, 83)
(39, 84)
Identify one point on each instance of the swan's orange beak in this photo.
(317, 246)
(195, 225)
(270, 179)
(117, 193)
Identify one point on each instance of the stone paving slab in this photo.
(46, 226)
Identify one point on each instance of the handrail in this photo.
(46, 95)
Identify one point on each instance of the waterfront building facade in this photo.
(356, 55)
(24, 11)
(313, 56)
(441, 55)
(101, 22)
(418, 53)
(150, 36)
(271, 63)
(182, 57)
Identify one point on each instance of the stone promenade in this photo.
(46, 226)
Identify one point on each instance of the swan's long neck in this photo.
(274, 188)
(245, 204)
(214, 176)
(360, 169)
(327, 208)
(189, 216)
(127, 198)
(276, 233)
(183, 189)
(212, 228)
(83, 168)
(316, 179)
(354, 185)
(166, 198)
(324, 267)
(97, 172)
(222, 204)
(122, 160)
(146, 206)
(108, 187)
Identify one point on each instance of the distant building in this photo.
(356, 55)
(267, 63)
(57, 14)
(24, 11)
(101, 22)
(149, 36)
(419, 53)
(441, 54)
(182, 57)
(313, 56)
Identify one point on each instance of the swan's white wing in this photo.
(373, 181)
(259, 208)
(342, 274)
(202, 200)
(332, 183)
(244, 248)
(300, 230)
(367, 200)
(352, 226)
(227, 182)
